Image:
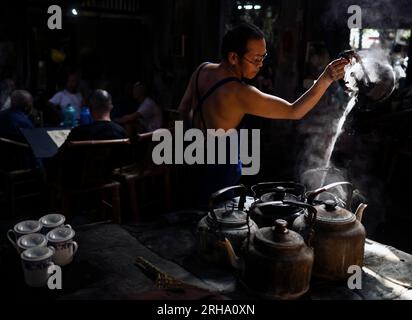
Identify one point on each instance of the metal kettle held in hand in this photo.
(371, 76)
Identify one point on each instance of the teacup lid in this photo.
(27, 226)
(37, 254)
(52, 220)
(31, 240)
(60, 234)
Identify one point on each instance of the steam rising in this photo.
(321, 127)
(372, 75)
(339, 130)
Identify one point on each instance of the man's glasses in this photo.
(256, 61)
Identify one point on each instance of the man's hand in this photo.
(335, 70)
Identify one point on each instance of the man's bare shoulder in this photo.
(242, 95)
(238, 89)
(207, 66)
(232, 93)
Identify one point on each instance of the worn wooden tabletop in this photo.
(104, 267)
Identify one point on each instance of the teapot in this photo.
(275, 263)
(221, 223)
(269, 206)
(339, 236)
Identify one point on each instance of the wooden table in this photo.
(104, 267)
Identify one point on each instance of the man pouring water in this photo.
(217, 98)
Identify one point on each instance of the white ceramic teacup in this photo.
(62, 240)
(36, 262)
(52, 221)
(22, 228)
(31, 240)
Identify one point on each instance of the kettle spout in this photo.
(234, 260)
(359, 211)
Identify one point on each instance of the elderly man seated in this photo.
(16, 117)
(70, 164)
(11, 121)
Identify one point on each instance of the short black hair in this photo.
(236, 39)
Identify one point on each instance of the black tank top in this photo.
(202, 99)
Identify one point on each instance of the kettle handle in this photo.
(311, 195)
(268, 204)
(239, 190)
(311, 217)
(311, 209)
(258, 188)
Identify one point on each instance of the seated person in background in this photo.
(17, 116)
(102, 127)
(124, 102)
(148, 115)
(70, 95)
(11, 121)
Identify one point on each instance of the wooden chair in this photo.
(20, 179)
(144, 176)
(86, 167)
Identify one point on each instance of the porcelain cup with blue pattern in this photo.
(36, 262)
(52, 221)
(62, 240)
(22, 228)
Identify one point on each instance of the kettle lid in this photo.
(330, 212)
(278, 194)
(229, 214)
(228, 217)
(278, 237)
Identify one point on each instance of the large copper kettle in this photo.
(275, 262)
(339, 236)
(223, 222)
